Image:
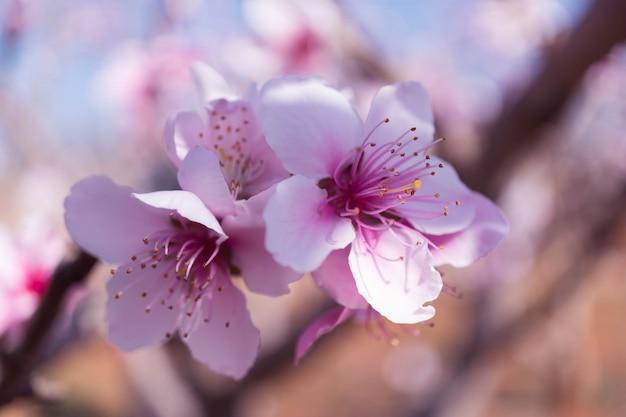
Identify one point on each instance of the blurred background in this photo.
(531, 95)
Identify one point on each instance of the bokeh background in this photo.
(531, 95)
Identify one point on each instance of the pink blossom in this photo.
(25, 271)
(227, 144)
(174, 271)
(368, 211)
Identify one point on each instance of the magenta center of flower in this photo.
(232, 130)
(185, 263)
(373, 184)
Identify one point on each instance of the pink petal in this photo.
(246, 241)
(200, 173)
(321, 326)
(134, 320)
(450, 189)
(106, 221)
(310, 125)
(406, 105)
(395, 274)
(335, 278)
(229, 342)
(465, 247)
(301, 229)
(185, 203)
(183, 132)
(211, 85)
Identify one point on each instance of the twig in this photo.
(17, 366)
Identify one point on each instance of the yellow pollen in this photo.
(441, 247)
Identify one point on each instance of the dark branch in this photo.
(517, 128)
(18, 365)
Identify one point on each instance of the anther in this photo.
(387, 120)
(144, 294)
(147, 309)
(440, 165)
(134, 258)
(413, 129)
(427, 156)
(227, 324)
(112, 271)
(168, 335)
(145, 240)
(117, 296)
(128, 271)
(457, 203)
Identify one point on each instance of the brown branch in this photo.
(517, 128)
(18, 365)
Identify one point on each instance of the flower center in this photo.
(183, 264)
(231, 131)
(373, 183)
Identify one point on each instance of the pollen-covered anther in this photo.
(112, 271)
(146, 240)
(441, 247)
(129, 270)
(457, 203)
(436, 195)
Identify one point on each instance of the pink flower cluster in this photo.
(280, 182)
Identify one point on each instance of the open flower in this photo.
(368, 210)
(174, 271)
(228, 141)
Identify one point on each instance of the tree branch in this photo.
(18, 365)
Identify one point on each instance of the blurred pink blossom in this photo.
(28, 261)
